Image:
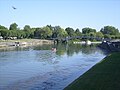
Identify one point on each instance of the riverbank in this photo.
(111, 46)
(23, 42)
(103, 76)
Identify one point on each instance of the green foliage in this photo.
(109, 30)
(99, 34)
(50, 27)
(70, 31)
(88, 30)
(2, 27)
(107, 36)
(4, 33)
(27, 31)
(27, 28)
(49, 31)
(92, 34)
(77, 32)
(13, 26)
(43, 33)
(37, 32)
(59, 32)
(117, 36)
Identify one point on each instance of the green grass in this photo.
(103, 76)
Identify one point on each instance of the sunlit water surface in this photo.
(40, 68)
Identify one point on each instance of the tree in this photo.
(4, 33)
(88, 30)
(62, 33)
(77, 32)
(49, 31)
(13, 26)
(70, 31)
(50, 27)
(43, 33)
(107, 36)
(27, 28)
(92, 34)
(56, 31)
(2, 27)
(99, 35)
(46, 32)
(37, 33)
(59, 32)
(32, 32)
(109, 30)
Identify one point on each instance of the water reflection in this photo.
(61, 48)
(76, 48)
(44, 53)
(32, 67)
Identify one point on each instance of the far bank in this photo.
(23, 42)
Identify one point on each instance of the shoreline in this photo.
(23, 42)
(102, 76)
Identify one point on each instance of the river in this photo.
(40, 68)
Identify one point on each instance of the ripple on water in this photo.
(44, 69)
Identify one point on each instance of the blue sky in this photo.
(66, 13)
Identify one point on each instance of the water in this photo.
(39, 68)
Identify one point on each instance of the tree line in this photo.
(49, 31)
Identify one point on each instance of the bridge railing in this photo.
(81, 37)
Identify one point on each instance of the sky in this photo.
(65, 13)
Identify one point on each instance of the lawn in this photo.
(105, 75)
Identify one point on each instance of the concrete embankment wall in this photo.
(110, 46)
(28, 42)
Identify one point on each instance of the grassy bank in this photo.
(103, 76)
